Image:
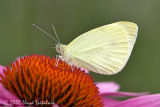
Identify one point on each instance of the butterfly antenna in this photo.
(44, 32)
(53, 47)
(55, 33)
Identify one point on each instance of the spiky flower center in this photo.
(40, 78)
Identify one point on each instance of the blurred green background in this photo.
(73, 17)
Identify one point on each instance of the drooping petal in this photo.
(6, 97)
(142, 101)
(55, 105)
(105, 87)
(1, 69)
(108, 102)
(123, 94)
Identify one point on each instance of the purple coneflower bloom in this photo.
(36, 78)
(43, 81)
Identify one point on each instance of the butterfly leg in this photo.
(71, 66)
(61, 57)
(57, 59)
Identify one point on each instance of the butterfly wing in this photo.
(131, 29)
(104, 49)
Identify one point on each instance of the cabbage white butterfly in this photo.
(103, 50)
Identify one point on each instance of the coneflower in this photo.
(43, 81)
(40, 80)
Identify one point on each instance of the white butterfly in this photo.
(103, 50)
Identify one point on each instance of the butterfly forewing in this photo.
(131, 29)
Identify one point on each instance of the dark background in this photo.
(71, 18)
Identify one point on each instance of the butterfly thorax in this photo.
(61, 49)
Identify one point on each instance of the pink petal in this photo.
(123, 94)
(86, 71)
(143, 101)
(105, 87)
(6, 97)
(55, 105)
(108, 102)
(1, 69)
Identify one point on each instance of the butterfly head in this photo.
(60, 49)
